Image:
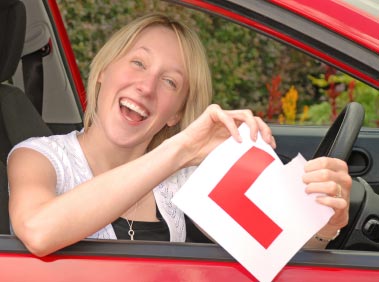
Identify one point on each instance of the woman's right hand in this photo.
(214, 126)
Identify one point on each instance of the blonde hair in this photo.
(199, 78)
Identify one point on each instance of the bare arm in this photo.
(46, 222)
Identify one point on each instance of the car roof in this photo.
(357, 20)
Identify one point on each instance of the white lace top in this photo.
(72, 169)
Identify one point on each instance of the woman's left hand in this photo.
(330, 177)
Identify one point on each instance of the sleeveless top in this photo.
(143, 230)
(71, 167)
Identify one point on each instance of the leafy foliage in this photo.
(346, 89)
(244, 63)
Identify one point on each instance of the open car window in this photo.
(280, 61)
(250, 70)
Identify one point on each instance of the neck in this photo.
(103, 155)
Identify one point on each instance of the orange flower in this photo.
(289, 102)
(304, 115)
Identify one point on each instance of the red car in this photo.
(42, 93)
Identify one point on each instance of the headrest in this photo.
(4, 216)
(12, 36)
(20, 117)
(7, 3)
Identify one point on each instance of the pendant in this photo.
(131, 234)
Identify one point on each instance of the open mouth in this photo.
(132, 111)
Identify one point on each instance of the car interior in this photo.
(14, 126)
(24, 92)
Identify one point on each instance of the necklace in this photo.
(131, 231)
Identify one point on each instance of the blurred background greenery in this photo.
(249, 70)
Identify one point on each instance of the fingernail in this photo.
(273, 141)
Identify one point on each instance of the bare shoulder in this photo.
(28, 167)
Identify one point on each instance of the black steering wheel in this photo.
(361, 232)
(339, 139)
(338, 143)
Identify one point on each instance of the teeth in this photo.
(134, 107)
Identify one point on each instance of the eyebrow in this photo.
(144, 48)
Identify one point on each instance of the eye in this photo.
(138, 64)
(171, 83)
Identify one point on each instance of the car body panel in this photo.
(142, 269)
(342, 17)
(152, 261)
(353, 50)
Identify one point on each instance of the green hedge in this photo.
(243, 63)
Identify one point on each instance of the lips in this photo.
(132, 111)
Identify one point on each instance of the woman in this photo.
(146, 125)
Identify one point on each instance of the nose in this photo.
(147, 84)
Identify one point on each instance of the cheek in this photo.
(172, 111)
(176, 101)
(103, 100)
(172, 104)
(114, 74)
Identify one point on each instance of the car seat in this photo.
(4, 218)
(19, 119)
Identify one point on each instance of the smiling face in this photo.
(144, 90)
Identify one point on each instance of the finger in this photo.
(326, 163)
(255, 124)
(338, 204)
(327, 181)
(329, 188)
(273, 142)
(247, 117)
(320, 175)
(219, 115)
(340, 207)
(266, 132)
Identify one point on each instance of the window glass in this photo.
(279, 83)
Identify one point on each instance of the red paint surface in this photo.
(229, 194)
(340, 17)
(23, 267)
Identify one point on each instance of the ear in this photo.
(174, 119)
(100, 77)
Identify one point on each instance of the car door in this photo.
(280, 21)
(264, 53)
